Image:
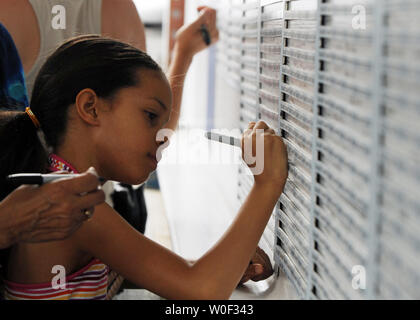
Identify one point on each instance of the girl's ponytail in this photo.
(21, 148)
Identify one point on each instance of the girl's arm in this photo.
(112, 240)
(108, 237)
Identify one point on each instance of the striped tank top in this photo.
(89, 283)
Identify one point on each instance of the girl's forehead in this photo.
(154, 83)
(152, 78)
(149, 87)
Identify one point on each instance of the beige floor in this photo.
(156, 229)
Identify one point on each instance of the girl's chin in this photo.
(140, 179)
(133, 180)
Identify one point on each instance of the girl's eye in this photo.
(152, 116)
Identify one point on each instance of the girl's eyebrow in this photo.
(160, 103)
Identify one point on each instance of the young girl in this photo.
(101, 103)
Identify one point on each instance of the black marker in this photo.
(235, 142)
(223, 139)
(206, 35)
(40, 179)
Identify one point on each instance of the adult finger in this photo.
(203, 18)
(85, 182)
(212, 17)
(211, 12)
(89, 200)
(88, 213)
(215, 36)
(49, 235)
(60, 222)
(67, 206)
(57, 224)
(60, 172)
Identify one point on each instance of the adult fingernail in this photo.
(93, 171)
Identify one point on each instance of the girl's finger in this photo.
(251, 125)
(261, 125)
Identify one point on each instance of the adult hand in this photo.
(189, 39)
(49, 212)
(259, 269)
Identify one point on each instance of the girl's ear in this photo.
(87, 106)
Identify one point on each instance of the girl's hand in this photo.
(269, 166)
(259, 268)
(189, 39)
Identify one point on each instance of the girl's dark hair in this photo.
(90, 61)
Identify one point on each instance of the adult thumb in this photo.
(204, 15)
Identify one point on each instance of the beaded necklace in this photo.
(58, 164)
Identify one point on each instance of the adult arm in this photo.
(50, 212)
(188, 42)
(121, 21)
(20, 21)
